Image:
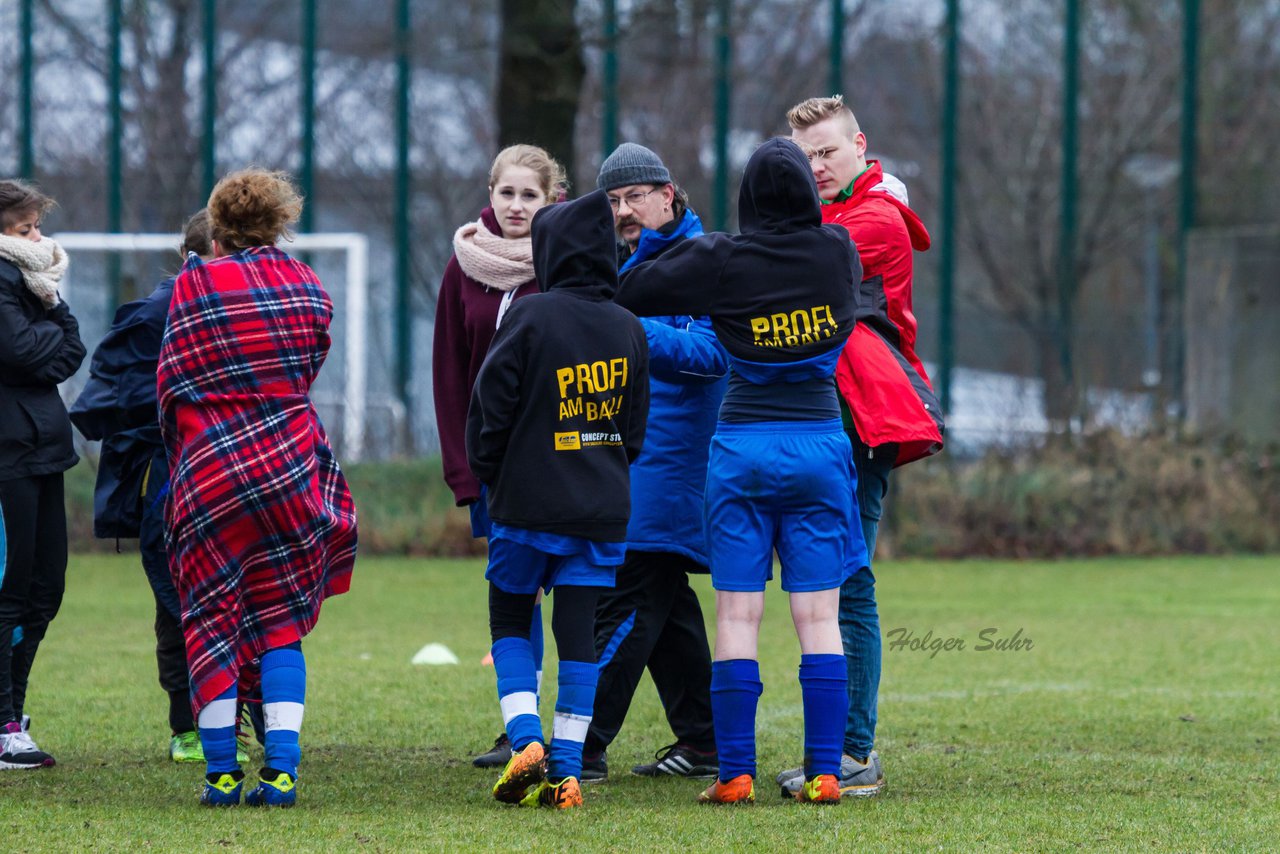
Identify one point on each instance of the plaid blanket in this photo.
(260, 526)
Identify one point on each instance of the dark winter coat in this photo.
(39, 348)
(118, 406)
(558, 411)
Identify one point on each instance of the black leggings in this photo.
(573, 619)
(35, 576)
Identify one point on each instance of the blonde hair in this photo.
(808, 113)
(550, 173)
(253, 207)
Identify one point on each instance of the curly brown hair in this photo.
(253, 207)
(18, 198)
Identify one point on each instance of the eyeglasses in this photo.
(632, 199)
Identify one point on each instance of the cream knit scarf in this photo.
(491, 259)
(42, 264)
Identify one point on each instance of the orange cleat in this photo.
(822, 789)
(739, 790)
(526, 768)
(564, 795)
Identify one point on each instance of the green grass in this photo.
(1144, 715)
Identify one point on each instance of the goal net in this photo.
(138, 262)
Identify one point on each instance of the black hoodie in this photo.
(781, 295)
(558, 410)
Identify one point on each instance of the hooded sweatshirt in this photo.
(879, 376)
(558, 410)
(781, 295)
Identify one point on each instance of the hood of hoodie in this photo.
(778, 192)
(875, 180)
(573, 247)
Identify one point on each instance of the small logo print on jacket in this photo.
(569, 441)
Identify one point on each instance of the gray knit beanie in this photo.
(631, 164)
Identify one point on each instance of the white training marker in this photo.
(435, 653)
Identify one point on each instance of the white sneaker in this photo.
(18, 752)
(857, 779)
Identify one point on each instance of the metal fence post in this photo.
(947, 207)
(723, 60)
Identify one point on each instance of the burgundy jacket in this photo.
(466, 319)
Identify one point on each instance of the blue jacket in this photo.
(687, 369)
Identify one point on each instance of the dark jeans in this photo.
(35, 576)
(652, 618)
(859, 619)
(171, 647)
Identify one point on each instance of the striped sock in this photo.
(517, 690)
(575, 700)
(735, 693)
(824, 683)
(217, 724)
(284, 692)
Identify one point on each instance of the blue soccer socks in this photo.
(575, 701)
(824, 687)
(517, 690)
(735, 693)
(537, 642)
(284, 690)
(217, 724)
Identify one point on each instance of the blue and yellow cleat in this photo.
(275, 789)
(222, 789)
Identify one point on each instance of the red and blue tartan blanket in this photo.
(260, 525)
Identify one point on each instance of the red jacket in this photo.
(466, 320)
(879, 375)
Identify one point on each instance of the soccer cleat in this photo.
(274, 789)
(857, 779)
(222, 789)
(595, 769)
(564, 795)
(18, 752)
(680, 760)
(186, 747)
(526, 768)
(739, 790)
(822, 789)
(496, 756)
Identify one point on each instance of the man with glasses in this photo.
(652, 617)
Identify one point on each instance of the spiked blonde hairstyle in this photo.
(808, 113)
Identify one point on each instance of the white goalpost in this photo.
(355, 248)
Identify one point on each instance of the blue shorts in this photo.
(780, 485)
(481, 525)
(522, 561)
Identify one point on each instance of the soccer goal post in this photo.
(355, 249)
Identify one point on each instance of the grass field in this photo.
(1145, 714)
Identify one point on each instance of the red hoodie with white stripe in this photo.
(879, 375)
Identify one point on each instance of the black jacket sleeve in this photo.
(70, 352)
(24, 345)
(495, 399)
(683, 280)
